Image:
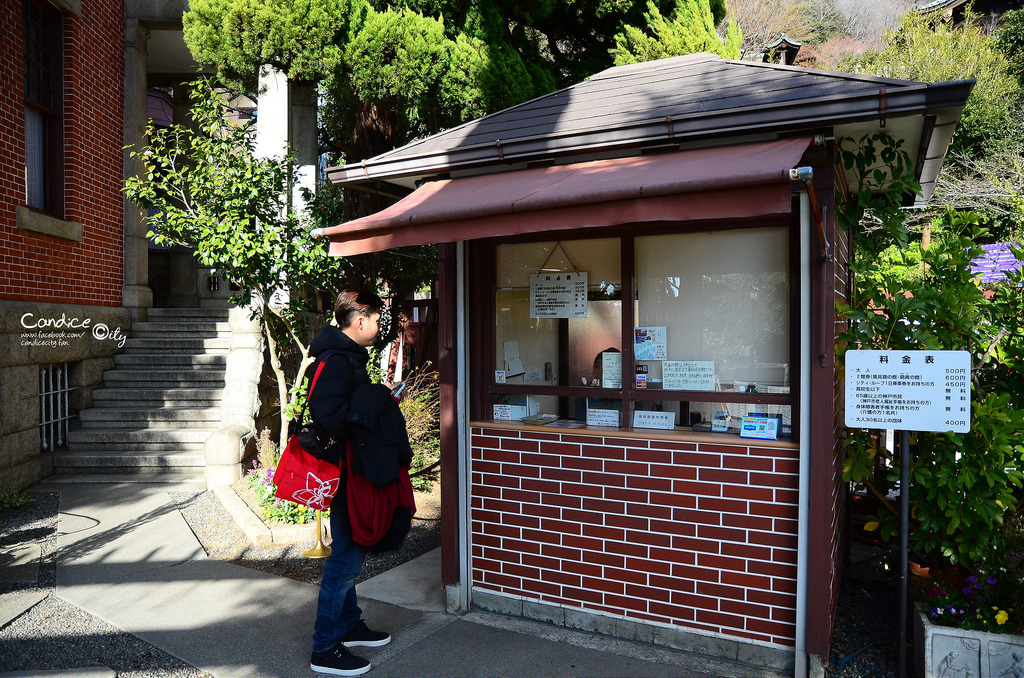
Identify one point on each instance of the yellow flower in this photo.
(1001, 617)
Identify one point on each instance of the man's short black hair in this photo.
(351, 303)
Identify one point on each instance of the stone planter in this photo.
(946, 652)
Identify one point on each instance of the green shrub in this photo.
(962, 484)
(421, 409)
(15, 500)
(261, 480)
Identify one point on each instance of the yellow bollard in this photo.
(319, 550)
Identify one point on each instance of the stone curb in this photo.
(13, 604)
(93, 672)
(258, 532)
(20, 563)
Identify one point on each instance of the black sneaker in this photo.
(360, 636)
(339, 662)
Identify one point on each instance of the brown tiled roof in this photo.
(680, 100)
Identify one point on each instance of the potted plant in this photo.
(971, 624)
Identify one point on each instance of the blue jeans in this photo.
(337, 610)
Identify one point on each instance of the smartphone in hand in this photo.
(397, 390)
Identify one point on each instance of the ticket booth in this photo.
(641, 406)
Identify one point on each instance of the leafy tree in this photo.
(305, 40)
(930, 52)
(393, 71)
(763, 21)
(205, 189)
(688, 29)
(1010, 41)
(962, 484)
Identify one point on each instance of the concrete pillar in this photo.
(235, 440)
(286, 126)
(272, 114)
(303, 138)
(136, 295)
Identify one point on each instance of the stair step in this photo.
(188, 480)
(144, 328)
(106, 461)
(158, 378)
(190, 344)
(221, 313)
(158, 405)
(169, 360)
(156, 397)
(165, 417)
(149, 384)
(117, 438)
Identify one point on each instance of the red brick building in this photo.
(651, 259)
(76, 262)
(60, 156)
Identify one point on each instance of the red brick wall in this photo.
(42, 267)
(702, 536)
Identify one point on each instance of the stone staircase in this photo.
(160, 402)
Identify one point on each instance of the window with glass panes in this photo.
(43, 137)
(684, 327)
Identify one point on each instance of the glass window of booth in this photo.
(707, 334)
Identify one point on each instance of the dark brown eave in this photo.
(944, 101)
(683, 186)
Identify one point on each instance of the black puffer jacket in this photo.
(344, 371)
(377, 428)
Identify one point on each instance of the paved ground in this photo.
(127, 556)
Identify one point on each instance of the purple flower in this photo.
(966, 590)
(992, 581)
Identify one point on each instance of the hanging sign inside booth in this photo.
(909, 390)
(558, 295)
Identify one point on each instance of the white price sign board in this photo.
(558, 295)
(909, 390)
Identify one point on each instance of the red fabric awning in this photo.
(715, 183)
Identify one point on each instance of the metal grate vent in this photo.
(54, 412)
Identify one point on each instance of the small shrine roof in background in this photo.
(782, 51)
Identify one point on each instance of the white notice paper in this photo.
(558, 295)
(596, 417)
(688, 375)
(646, 419)
(611, 369)
(513, 364)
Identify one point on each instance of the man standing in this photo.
(342, 349)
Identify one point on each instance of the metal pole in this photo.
(904, 547)
(319, 549)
